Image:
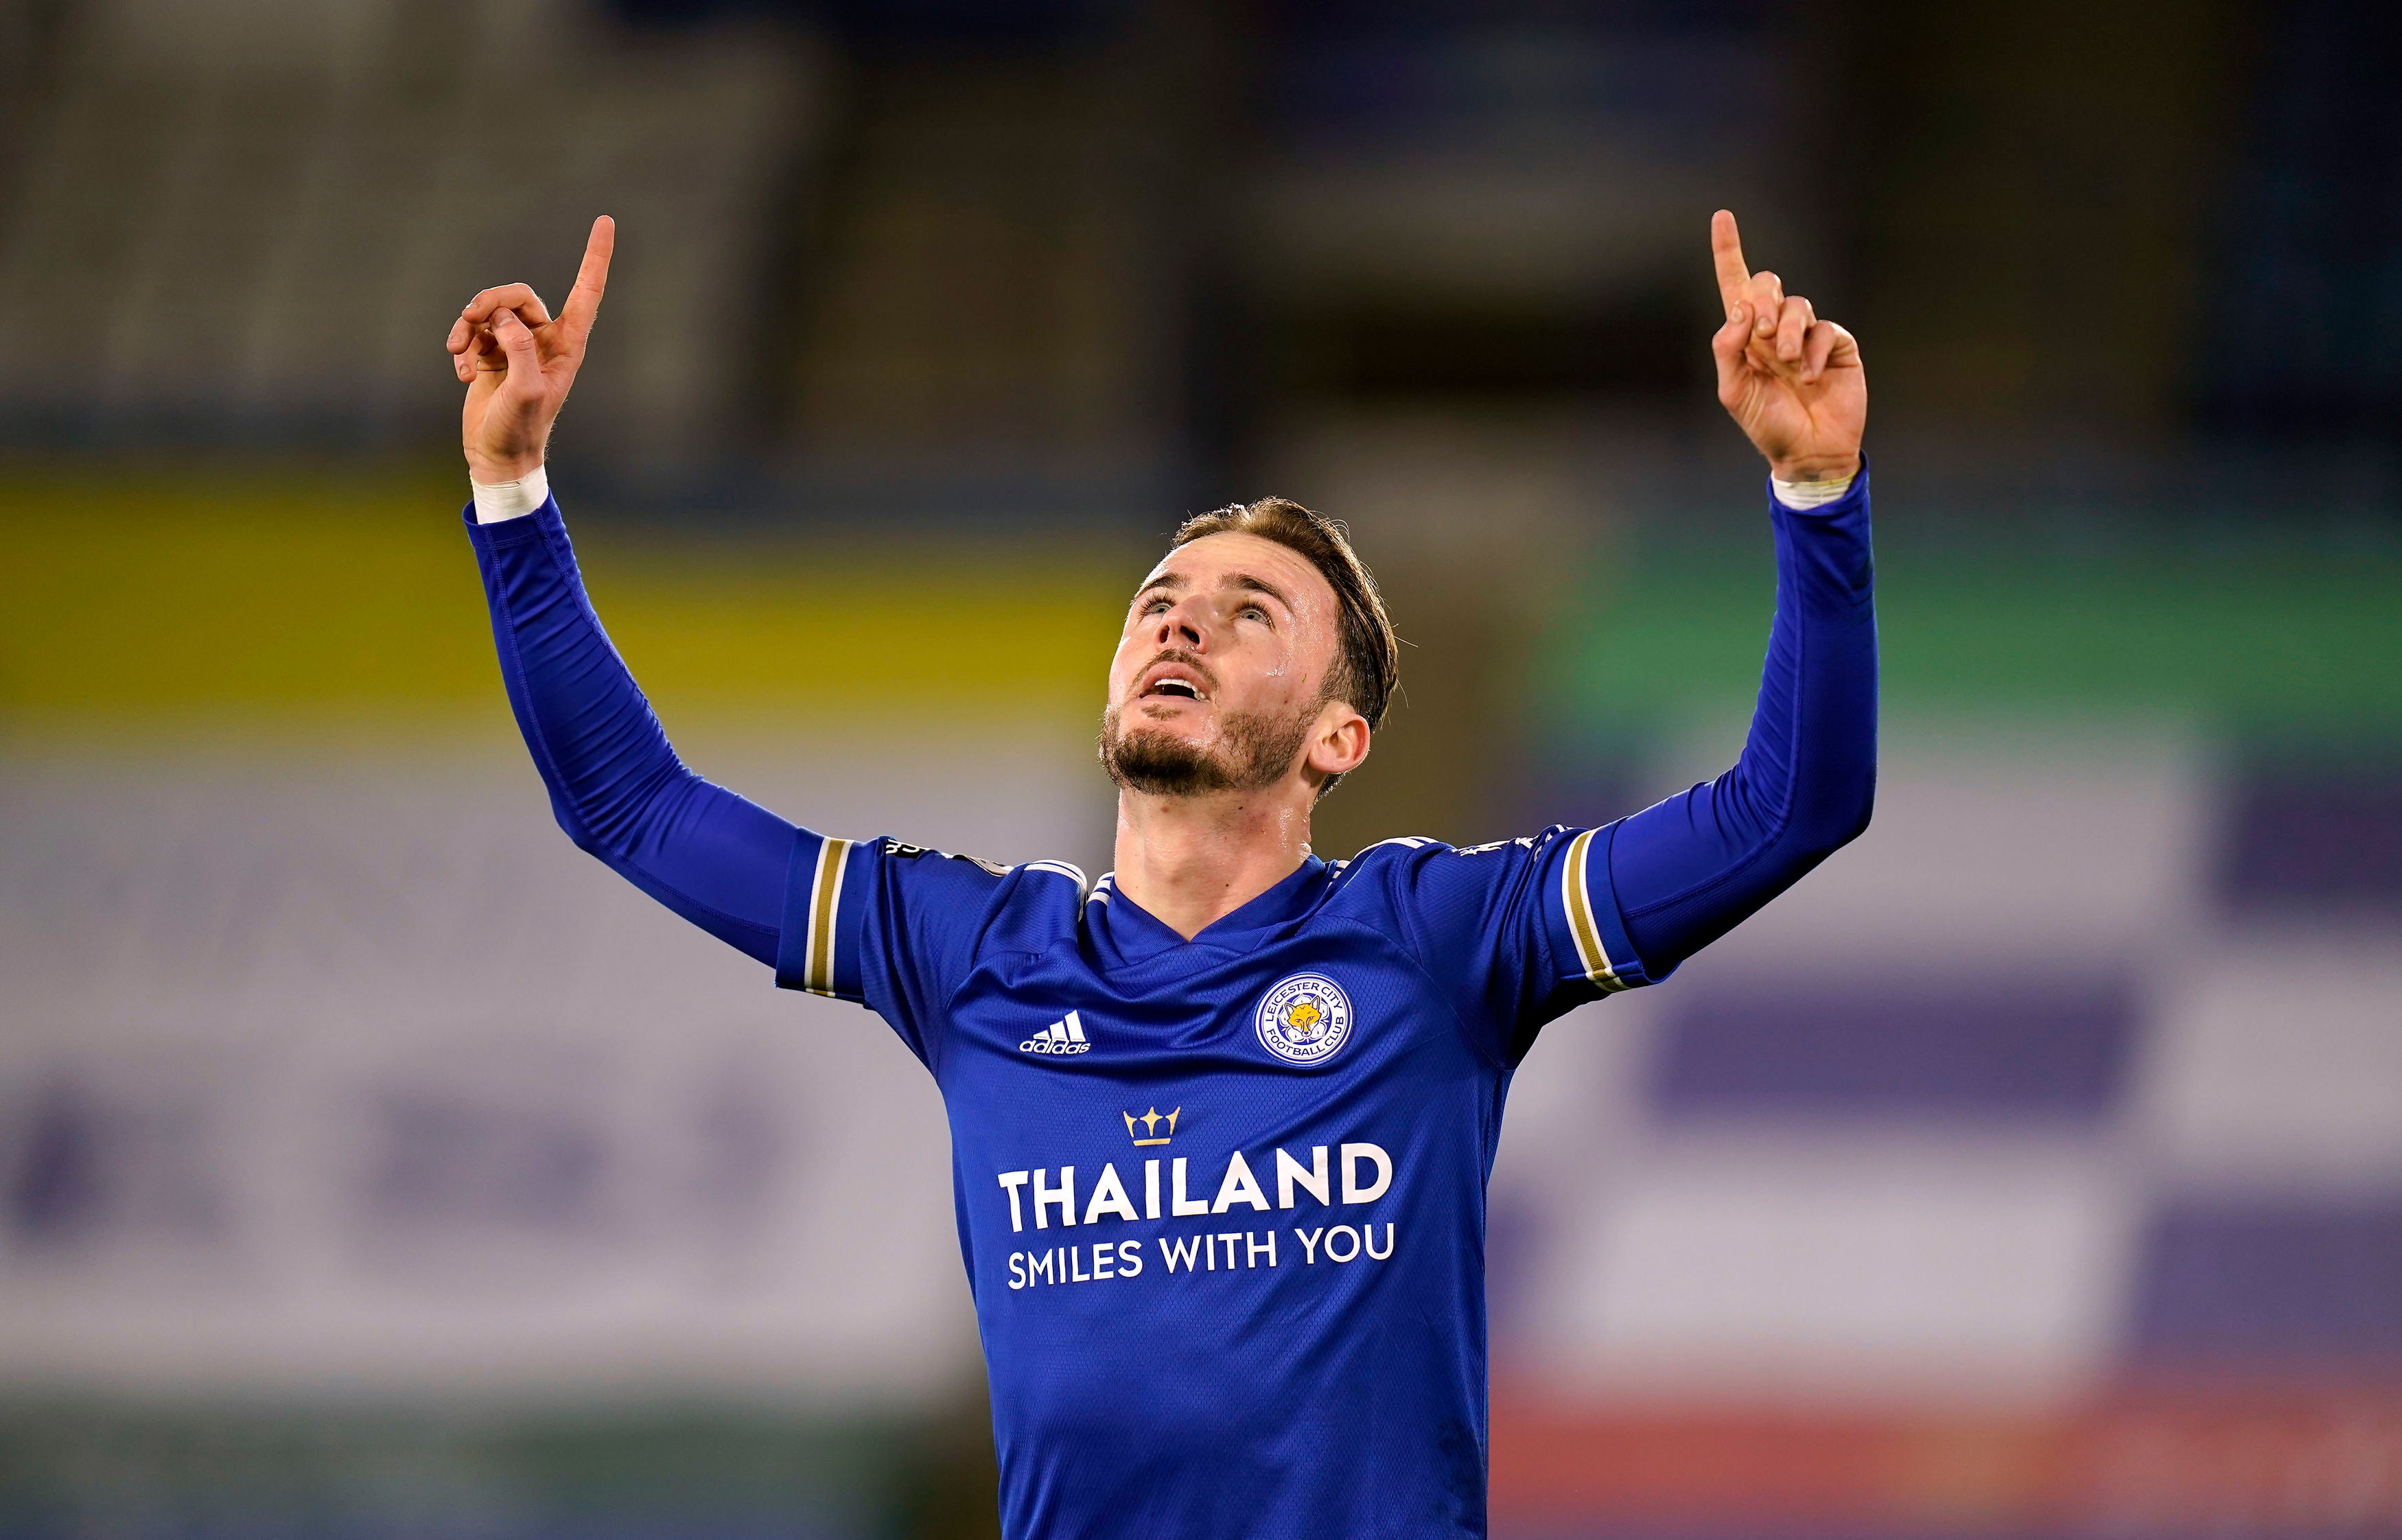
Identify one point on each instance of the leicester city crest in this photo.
(1304, 1019)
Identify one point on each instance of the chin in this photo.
(1169, 738)
(1165, 757)
(1185, 727)
(1190, 725)
(1179, 750)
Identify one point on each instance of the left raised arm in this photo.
(1687, 871)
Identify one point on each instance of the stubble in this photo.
(1255, 752)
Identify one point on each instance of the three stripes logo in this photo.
(1065, 1035)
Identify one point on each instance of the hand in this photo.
(517, 363)
(1791, 381)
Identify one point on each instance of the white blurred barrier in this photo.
(355, 1074)
(360, 1077)
(1978, 1196)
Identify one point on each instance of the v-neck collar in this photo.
(1127, 933)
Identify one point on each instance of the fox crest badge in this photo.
(1304, 1020)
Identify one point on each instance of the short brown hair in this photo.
(1368, 660)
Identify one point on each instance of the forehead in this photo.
(1214, 560)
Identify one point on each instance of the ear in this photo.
(1338, 741)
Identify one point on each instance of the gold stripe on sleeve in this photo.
(825, 896)
(1577, 899)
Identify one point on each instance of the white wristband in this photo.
(1810, 494)
(496, 501)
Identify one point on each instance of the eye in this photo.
(1253, 612)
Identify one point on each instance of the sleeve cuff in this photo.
(1812, 494)
(499, 500)
(509, 533)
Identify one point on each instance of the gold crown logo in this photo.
(1151, 1120)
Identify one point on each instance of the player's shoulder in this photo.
(926, 863)
(1412, 865)
(1034, 896)
(1411, 851)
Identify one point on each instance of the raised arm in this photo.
(1687, 871)
(616, 785)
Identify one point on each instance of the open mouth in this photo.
(1172, 678)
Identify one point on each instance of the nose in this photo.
(1181, 625)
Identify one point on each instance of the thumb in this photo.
(1727, 347)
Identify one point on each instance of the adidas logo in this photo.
(1066, 1036)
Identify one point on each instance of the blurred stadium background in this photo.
(372, 1165)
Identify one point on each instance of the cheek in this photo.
(1280, 671)
(1121, 661)
(1311, 640)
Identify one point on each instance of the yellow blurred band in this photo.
(134, 602)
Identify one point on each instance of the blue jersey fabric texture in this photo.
(1222, 1200)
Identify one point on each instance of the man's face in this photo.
(1220, 669)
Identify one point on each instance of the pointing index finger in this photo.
(1726, 252)
(593, 278)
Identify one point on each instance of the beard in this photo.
(1256, 750)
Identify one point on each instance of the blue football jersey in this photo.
(1223, 1203)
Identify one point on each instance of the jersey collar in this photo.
(1126, 932)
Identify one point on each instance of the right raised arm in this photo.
(615, 784)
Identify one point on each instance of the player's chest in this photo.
(1286, 1013)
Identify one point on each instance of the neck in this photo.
(1190, 860)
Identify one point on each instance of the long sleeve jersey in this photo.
(1221, 1199)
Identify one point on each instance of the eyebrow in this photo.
(1243, 582)
(1260, 586)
